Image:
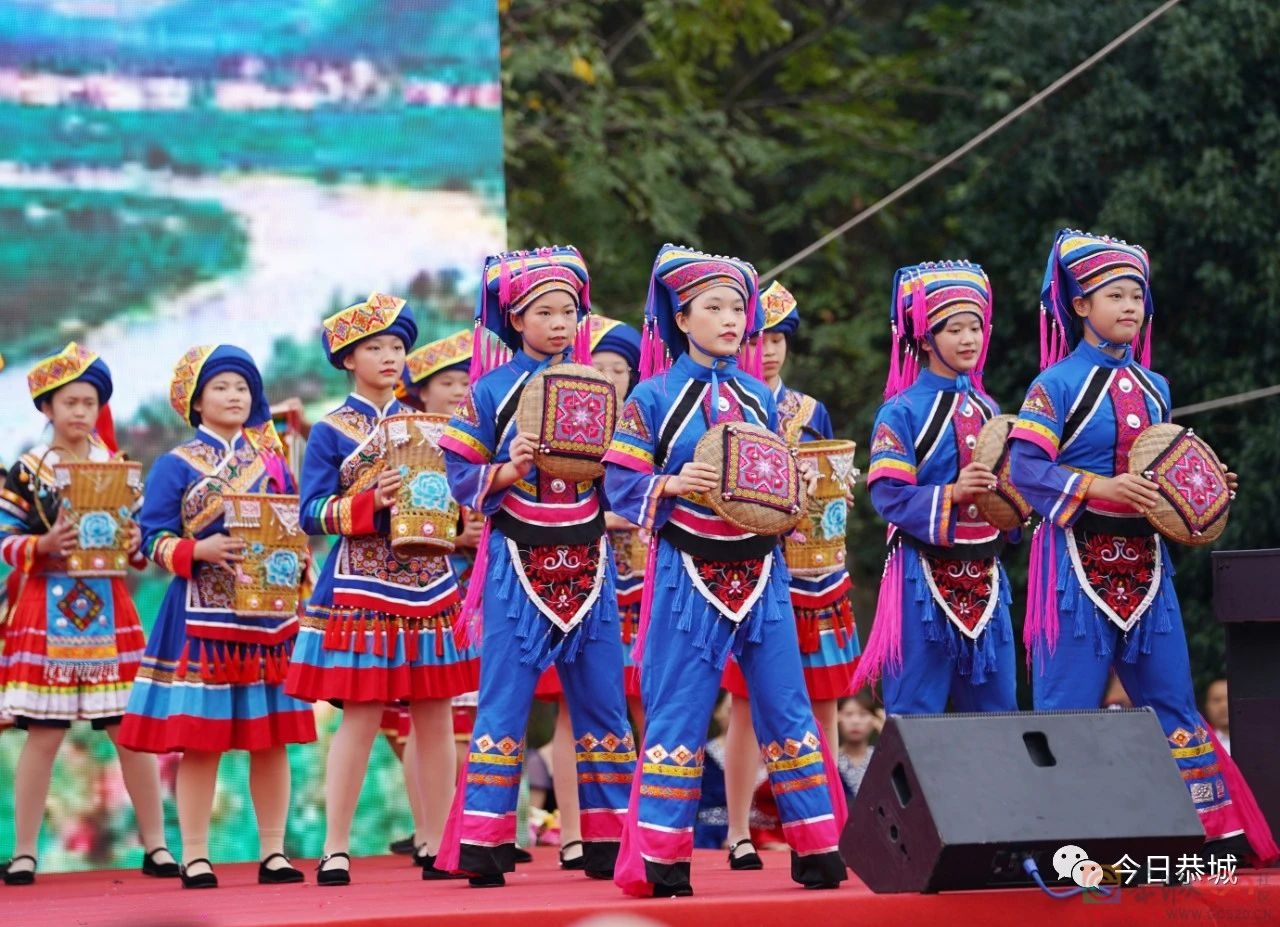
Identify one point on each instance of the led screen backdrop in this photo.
(179, 172)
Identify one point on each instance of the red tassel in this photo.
(439, 632)
(412, 631)
(378, 626)
(180, 672)
(359, 645)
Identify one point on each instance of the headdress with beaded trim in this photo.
(451, 353)
(201, 364)
(781, 314)
(1079, 264)
(380, 314)
(681, 273)
(925, 296)
(76, 363)
(511, 282)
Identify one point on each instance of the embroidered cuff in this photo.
(1073, 497)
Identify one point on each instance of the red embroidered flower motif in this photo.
(1119, 569)
(732, 582)
(562, 576)
(965, 585)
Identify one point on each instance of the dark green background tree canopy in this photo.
(752, 127)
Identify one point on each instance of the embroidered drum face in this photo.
(817, 546)
(1191, 480)
(267, 581)
(760, 489)
(424, 519)
(99, 497)
(1005, 507)
(572, 408)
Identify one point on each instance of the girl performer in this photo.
(615, 353)
(546, 572)
(72, 646)
(378, 628)
(824, 619)
(1101, 583)
(210, 680)
(942, 627)
(710, 589)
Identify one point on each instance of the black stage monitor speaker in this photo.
(958, 801)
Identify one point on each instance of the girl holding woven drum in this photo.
(72, 643)
(824, 618)
(615, 353)
(711, 589)
(379, 628)
(212, 679)
(1101, 582)
(435, 380)
(544, 576)
(942, 627)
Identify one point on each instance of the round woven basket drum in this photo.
(269, 578)
(1005, 508)
(759, 481)
(1191, 480)
(572, 409)
(817, 545)
(424, 519)
(98, 498)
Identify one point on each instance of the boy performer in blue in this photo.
(1101, 582)
(942, 627)
(710, 589)
(544, 576)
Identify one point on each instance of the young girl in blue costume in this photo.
(71, 645)
(824, 618)
(615, 353)
(544, 576)
(1101, 590)
(942, 629)
(378, 629)
(211, 681)
(710, 590)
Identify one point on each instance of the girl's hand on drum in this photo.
(974, 480)
(1233, 483)
(384, 491)
(134, 535)
(810, 474)
(693, 477)
(523, 447)
(1127, 489)
(221, 549)
(60, 539)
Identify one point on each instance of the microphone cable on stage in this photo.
(1030, 868)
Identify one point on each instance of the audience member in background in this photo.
(1215, 711)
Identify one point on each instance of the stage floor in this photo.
(388, 893)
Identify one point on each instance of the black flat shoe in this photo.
(490, 880)
(684, 890)
(203, 880)
(333, 876)
(578, 862)
(281, 875)
(747, 861)
(22, 876)
(169, 870)
(521, 855)
(404, 846)
(429, 871)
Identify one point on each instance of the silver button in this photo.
(972, 511)
(966, 410)
(723, 404)
(1125, 384)
(970, 441)
(1132, 420)
(557, 485)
